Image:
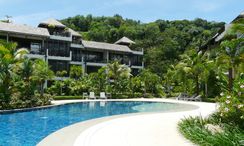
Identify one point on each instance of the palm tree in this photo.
(118, 73)
(116, 70)
(231, 57)
(192, 66)
(9, 58)
(42, 73)
(232, 54)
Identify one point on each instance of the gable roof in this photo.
(23, 29)
(52, 21)
(74, 33)
(106, 46)
(125, 40)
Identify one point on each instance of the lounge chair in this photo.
(196, 98)
(190, 98)
(182, 96)
(92, 95)
(102, 95)
(85, 95)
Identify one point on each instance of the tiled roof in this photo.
(106, 46)
(23, 29)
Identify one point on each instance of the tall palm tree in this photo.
(118, 73)
(231, 57)
(42, 73)
(193, 66)
(116, 70)
(9, 58)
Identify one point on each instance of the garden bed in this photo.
(208, 132)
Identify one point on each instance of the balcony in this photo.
(60, 35)
(73, 45)
(36, 56)
(54, 55)
(61, 38)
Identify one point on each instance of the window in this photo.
(35, 48)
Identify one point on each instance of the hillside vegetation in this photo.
(162, 40)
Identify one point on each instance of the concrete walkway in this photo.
(155, 129)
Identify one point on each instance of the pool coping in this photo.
(55, 104)
(70, 133)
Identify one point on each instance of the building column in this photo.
(83, 65)
(7, 38)
(106, 56)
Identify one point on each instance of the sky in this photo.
(33, 11)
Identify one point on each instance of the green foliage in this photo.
(76, 71)
(231, 107)
(42, 73)
(194, 129)
(67, 97)
(115, 79)
(163, 41)
(18, 79)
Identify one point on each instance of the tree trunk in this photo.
(197, 85)
(230, 76)
(42, 89)
(206, 89)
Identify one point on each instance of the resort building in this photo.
(218, 37)
(62, 47)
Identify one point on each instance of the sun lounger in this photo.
(102, 95)
(92, 95)
(182, 96)
(196, 98)
(85, 95)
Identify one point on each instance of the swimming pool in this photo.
(30, 127)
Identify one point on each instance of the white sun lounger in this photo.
(103, 95)
(196, 98)
(92, 95)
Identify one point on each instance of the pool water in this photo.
(30, 127)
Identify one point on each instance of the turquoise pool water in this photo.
(30, 127)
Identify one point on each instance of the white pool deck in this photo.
(143, 129)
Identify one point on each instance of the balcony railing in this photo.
(60, 33)
(77, 58)
(79, 42)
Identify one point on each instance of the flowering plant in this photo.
(231, 104)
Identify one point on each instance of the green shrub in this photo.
(67, 97)
(194, 130)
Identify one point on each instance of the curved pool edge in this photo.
(68, 135)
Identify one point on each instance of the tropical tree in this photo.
(230, 58)
(151, 82)
(41, 74)
(119, 76)
(76, 71)
(9, 57)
